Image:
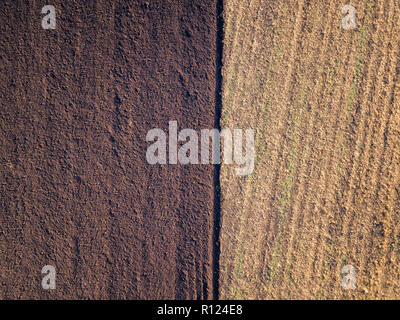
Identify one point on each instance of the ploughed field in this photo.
(76, 190)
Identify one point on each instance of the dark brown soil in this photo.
(76, 190)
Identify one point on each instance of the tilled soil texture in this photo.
(76, 190)
(325, 192)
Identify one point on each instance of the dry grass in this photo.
(324, 103)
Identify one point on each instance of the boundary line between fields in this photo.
(217, 168)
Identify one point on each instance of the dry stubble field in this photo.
(324, 103)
